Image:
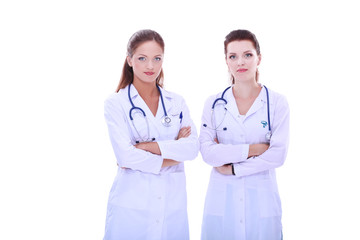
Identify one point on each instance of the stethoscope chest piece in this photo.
(166, 121)
(223, 100)
(268, 136)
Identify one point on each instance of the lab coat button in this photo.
(159, 198)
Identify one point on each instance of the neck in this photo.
(246, 90)
(146, 90)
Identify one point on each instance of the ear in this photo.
(128, 59)
(226, 61)
(259, 57)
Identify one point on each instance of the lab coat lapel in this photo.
(139, 102)
(259, 103)
(154, 121)
(167, 104)
(231, 103)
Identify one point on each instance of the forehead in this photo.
(149, 48)
(240, 46)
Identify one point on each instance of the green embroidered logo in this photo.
(264, 123)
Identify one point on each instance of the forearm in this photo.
(169, 163)
(257, 149)
(180, 150)
(217, 155)
(152, 147)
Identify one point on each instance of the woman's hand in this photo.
(257, 149)
(225, 169)
(254, 149)
(184, 132)
(152, 147)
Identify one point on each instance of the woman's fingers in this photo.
(184, 132)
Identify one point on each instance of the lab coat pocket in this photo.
(215, 199)
(171, 132)
(269, 200)
(131, 190)
(230, 137)
(140, 128)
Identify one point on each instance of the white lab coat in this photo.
(147, 201)
(245, 206)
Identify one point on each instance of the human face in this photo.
(242, 60)
(146, 61)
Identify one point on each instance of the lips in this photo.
(149, 73)
(241, 70)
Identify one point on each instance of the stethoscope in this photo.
(267, 135)
(165, 120)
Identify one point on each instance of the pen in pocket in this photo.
(181, 117)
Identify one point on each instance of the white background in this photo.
(59, 60)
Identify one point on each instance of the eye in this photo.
(232, 57)
(158, 59)
(141, 58)
(248, 55)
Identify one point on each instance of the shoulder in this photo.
(277, 99)
(172, 97)
(115, 100)
(210, 100)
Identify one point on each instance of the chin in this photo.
(148, 80)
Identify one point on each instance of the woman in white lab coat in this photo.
(242, 200)
(152, 134)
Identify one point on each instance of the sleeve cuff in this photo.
(236, 169)
(244, 152)
(164, 149)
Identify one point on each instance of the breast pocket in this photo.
(258, 123)
(140, 128)
(171, 132)
(230, 132)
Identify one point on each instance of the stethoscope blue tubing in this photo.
(134, 107)
(267, 97)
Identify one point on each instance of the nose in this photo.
(150, 65)
(241, 61)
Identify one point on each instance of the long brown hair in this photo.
(135, 41)
(238, 35)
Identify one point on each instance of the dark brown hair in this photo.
(135, 41)
(238, 35)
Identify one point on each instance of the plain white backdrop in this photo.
(59, 60)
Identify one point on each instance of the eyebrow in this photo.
(244, 52)
(159, 55)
